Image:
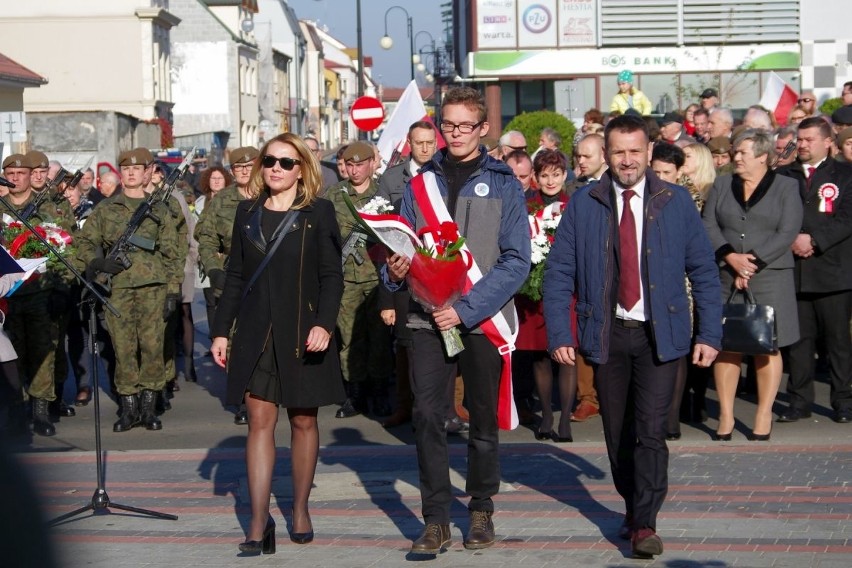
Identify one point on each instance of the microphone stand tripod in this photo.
(91, 297)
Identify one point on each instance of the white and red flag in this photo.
(393, 143)
(778, 97)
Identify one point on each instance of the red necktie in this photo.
(628, 280)
(811, 171)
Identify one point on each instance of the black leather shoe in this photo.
(793, 414)
(41, 421)
(625, 531)
(539, 435)
(759, 437)
(433, 540)
(561, 439)
(266, 544)
(842, 416)
(481, 531)
(241, 418)
(672, 436)
(148, 410)
(717, 437)
(347, 410)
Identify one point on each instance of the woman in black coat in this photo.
(283, 318)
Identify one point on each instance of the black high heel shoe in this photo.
(561, 439)
(265, 545)
(717, 437)
(539, 435)
(303, 537)
(759, 437)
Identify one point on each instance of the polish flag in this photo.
(393, 143)
(778, 97)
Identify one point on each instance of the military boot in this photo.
(129, 416)
(41, 419)
(148, 402)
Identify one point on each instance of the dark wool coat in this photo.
(300, 288)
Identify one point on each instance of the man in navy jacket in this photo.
(633, 329)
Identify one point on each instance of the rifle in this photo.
(129, 241)
(350, 247)
(41, 196)
(785, 153)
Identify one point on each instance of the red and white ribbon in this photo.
(496, 329)
(828, 192)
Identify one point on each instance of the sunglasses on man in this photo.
(285, 163)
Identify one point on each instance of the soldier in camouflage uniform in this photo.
(36, 307)
(138, 293)
(213, 233)
(365, 342)
(176, 205)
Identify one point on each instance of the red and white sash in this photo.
(496, 328)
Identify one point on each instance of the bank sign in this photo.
(585, 61)
(531, 24)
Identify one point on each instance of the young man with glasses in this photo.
(482, 196)
(213, 233)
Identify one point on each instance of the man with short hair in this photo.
(482, 196)
(522, 166)
(329, 176)
(758, 117)
(110, 184)
(701, 121)
(721, 123)
(709, 99)
(41, 168)
(627, 220)
(823, 254)
(365, 340)
(841, 118)
(511, 141)
(87, 184)
(422, 141)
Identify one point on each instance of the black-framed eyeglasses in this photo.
(464, 127)
(805, 100)
(285, 163)
(241, 167)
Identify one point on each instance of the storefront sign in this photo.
(496, 24)
(578, 23)
(537, 23)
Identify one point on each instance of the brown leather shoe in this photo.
(584, 411)
(481, 531)
(433, 540)
(646, 543)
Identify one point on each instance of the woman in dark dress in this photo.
(550, 169)
(752, 217)
(283, 316)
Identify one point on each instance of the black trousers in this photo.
(826, 315)
(480, 365)
(635, 392)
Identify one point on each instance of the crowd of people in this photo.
(658, 223)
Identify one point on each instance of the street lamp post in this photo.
(387, 41)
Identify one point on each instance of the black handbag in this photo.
(748, 328)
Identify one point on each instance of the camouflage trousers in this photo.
(34, 335)
(137, 338)
(365, 341)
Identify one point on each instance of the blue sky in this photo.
(390, 67)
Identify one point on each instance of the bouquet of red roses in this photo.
(438, 275)
(22, 244)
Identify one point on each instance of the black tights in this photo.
(567, 380)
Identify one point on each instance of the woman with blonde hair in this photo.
(698, 172)
(281, 296)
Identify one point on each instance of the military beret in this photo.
(843, 115)
(358, 152)
(16, 161)
(719, 145)
(670, 117)
(243, 155)
(707, 93)
(136, 157)
(37, 159)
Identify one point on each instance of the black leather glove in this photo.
(217, 278)
(107, 265)
(57, 304)
(171, 305)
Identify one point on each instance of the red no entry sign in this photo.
(367, 113)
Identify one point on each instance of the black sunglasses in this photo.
(285, 163)
(805, 100)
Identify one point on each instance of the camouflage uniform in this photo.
(365, 341)
(36, 312)
(214, 228)
(177, 219)
(138, 293)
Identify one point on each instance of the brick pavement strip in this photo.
(732, 505)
